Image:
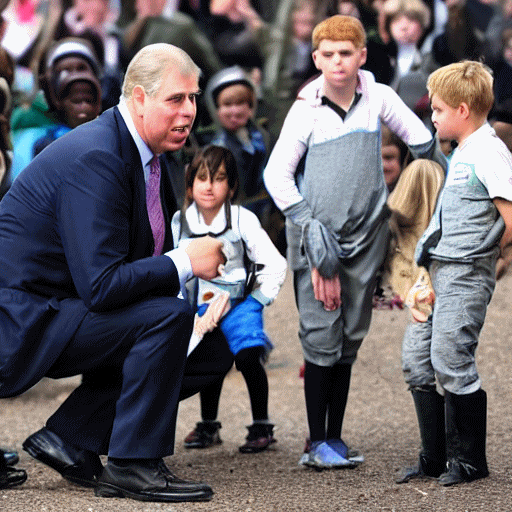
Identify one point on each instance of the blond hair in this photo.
(339, 28)
(412, 204)
(149, 64)
(412, 9)
(467, 82)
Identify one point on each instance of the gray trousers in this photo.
(329, 337)
(445, 345)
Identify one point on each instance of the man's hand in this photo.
(206, 256)
(327, 291)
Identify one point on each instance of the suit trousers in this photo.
(132, 362)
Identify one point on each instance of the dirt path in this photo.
(380, 421)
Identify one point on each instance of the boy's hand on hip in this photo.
(327, 290)
(206, 257)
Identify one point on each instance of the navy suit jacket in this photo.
(75, 237)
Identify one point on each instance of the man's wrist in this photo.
(182, 263)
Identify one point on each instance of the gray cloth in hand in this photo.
(322, 249)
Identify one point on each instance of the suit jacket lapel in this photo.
(141, 237)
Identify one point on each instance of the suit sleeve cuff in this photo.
(183, 265)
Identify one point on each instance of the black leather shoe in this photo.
(10, 477)
(82, 467)
(11, 458)
(148, 481)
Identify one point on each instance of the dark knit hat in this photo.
(66, 79)
(72, 47)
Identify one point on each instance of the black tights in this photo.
(326, 392)
(249, 362)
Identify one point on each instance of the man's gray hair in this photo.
(149, 64)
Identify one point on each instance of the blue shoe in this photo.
(346, 452)
(323, 456)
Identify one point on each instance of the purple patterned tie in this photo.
(155, 212)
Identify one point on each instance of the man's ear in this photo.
(138, 97)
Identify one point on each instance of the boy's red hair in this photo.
(340, 28)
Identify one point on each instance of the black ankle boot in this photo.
(466, 418)
(205, 434)
(429, 405)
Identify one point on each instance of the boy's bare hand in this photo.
(206, 256)
(327, 291)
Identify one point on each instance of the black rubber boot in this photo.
(429, 406)
(466, 419)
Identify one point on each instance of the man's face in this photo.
(233, 109)
(81, 104)
(165, 120)
(339, 61)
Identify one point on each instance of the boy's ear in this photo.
(463, 110)
(364, 55)
(315, 56)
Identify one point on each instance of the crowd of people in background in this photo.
(63, 62)
(268, 43)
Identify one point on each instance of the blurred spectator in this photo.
(502, 71)
(406, 22)
(230, 31)
(395, 156)
(499, 22)
(95, 20)
(463, 37)
(6, 81)
(501, 121)
(231, 99)
(31, 123)
(285, 45)
(152, 25)
(78, 97)
(23, 21)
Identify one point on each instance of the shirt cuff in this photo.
(183, 265)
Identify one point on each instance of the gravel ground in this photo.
(380, 421)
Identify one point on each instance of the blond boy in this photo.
(472, 225)
(336, 217)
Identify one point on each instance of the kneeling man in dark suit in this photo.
(89, 286)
